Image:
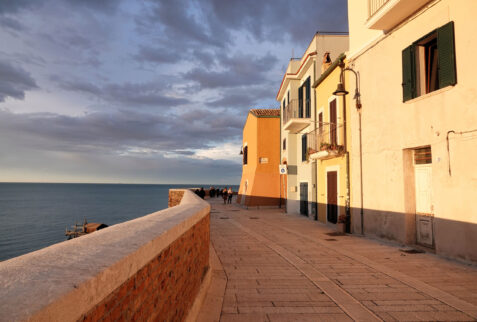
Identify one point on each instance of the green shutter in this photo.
(445, 47)
(303, 147)
(408, 74)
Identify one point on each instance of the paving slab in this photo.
(282, 267)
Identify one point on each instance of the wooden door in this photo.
(304, 198)
(333, 120)
(332, 196)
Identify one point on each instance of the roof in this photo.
(262, 112)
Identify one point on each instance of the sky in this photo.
(142, 91)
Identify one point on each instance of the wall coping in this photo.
(63, 281)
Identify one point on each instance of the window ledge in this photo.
(422, 97)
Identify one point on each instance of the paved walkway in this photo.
(269, 266)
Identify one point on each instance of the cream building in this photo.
(298, 117)
(419, 122)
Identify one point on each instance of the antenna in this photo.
(293, 53)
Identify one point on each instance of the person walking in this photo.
(230, 194)
(202, 193)
(224, 195)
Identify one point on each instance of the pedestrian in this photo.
(224, 195)
(202, 193)
(212, 192)
(230, 194)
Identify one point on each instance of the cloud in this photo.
(240, 69)
(127, 94)
(11, 24)
(158, 55)
(14, 81)
(119, 131)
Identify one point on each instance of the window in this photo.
(429, 63)
(304, 104)
(303, 147)
(284, 144)
(245, 155)
(423, 155)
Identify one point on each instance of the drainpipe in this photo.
(280, 149)
(315, 177)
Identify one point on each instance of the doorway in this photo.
(304, 198)
(332, 196)
(423, 192)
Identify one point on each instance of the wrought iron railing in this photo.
(374, 6)
(297, 109)
(326, 137)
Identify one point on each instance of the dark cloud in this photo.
(127, 94)
(9, 6)
(240, 69)
(244, 98)
(179, 22)
(117, 132)
(14, 6)
(11, 24)
(158, 55)
(14, 81)
(273, 20)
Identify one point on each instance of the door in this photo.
(333, 120)
(332, 196)
(424, 208)
(304, 198)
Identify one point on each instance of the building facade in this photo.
(260, 183)
(328, 147)
(298, 118)
(415, 178)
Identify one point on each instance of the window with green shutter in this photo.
(429, 63)
(303, 147)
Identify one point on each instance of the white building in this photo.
(419, 122)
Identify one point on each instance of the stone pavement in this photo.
(271, 266)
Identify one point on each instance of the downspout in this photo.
(280, 149)
(315, 177)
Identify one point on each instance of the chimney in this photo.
(326, 62)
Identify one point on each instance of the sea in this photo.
(36, 215)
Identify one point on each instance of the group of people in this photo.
(227, 194)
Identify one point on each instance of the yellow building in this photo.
(328, 145)
(260, 184)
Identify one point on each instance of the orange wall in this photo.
(262, 136)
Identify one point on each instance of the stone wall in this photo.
(165, 288)
(148, 268)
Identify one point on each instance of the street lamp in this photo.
(341, 91)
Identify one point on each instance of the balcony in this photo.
(386, 14)
(325, 142)
(297, 115)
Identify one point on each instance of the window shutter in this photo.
(308, 97)
(408, 74)
(300, 102)
(445, 47)
(303, 147)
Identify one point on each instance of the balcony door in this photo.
(333, 121)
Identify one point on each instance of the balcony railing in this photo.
(325, 141)
(297, 109)
(374, 6)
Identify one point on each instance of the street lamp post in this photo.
(341, 91)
